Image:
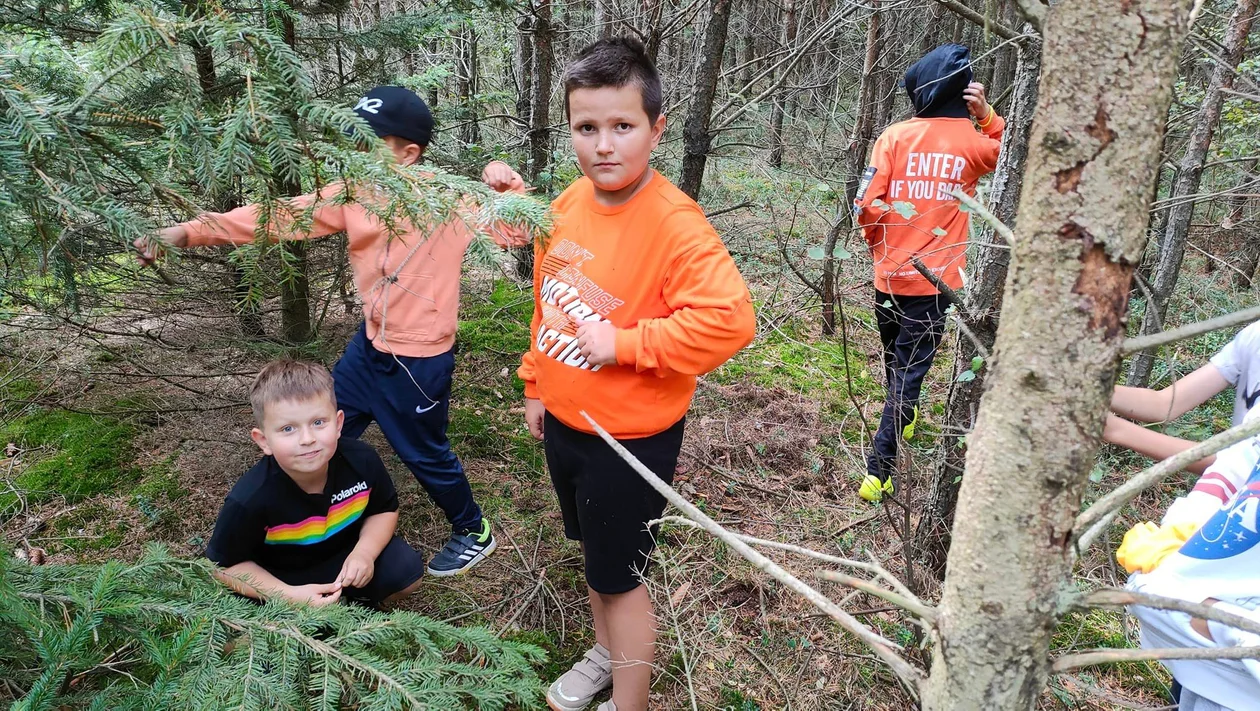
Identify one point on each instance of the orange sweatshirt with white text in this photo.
(907, 211)
(408, 282)
(658, 271)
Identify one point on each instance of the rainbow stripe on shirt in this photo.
(320, 528)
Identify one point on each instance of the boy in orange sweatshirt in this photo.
(906, 211)
(397, 370)
(634, 296)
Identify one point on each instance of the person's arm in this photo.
(534, 409)
(252, 580)
(360, 566)
(711, 316)
(502, 179)
(1149, 443)
(1146, 405)
(990, 124)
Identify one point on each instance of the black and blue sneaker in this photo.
(463, 551)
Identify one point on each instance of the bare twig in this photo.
(885, 649)
(1111, 656)
(974, 206)
(1183, 333)
(928, 614)
(1115, 597)
(1096, 518)
(732, 208)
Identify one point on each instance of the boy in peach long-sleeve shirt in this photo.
(634, 296)
(397, 370)
(905, 207)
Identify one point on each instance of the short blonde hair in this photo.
(288, 379)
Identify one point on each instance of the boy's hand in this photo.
(976, 103)
(501, 178)
(150, 248)
(357, 571)
(315, 594)
(534, 412)
(597, 341)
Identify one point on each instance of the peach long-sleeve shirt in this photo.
(409, 282)
(656, 269)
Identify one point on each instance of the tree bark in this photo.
(1172, 248)
(540, 105)
(1090, 177)
(604, 18)
(984, 306)
(783, 95)
(1247, 236)
(696, 136)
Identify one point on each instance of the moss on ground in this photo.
(70, 454)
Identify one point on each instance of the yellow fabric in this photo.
(1146, 545)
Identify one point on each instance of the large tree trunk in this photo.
(783, 95)
(1172, 247)
(984, 306)
(1091, 172)
(696, 136)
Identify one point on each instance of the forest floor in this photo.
(157, 432)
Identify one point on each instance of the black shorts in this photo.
(605, 504)
(396, 569)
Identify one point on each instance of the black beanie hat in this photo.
(396, 111)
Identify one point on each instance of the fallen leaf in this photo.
(677, 598)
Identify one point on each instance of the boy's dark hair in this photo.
(288, 379)
(615, 62)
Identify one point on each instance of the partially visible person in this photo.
(1205, 551)
(1237, 365)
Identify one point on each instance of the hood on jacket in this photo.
(935, 83)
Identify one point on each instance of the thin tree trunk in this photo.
(1090, 176)
(525, 61)
(782, 96)
(471, 131)
(696, 136)
(1189, 173)
(295, 291)
(604, 18)
(540, 109)
(984, 306)
(1247, 236)
(653, 32)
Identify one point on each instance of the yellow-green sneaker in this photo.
(873, 488)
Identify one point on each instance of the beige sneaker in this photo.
(577, 688)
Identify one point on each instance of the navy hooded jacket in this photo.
(936, 82)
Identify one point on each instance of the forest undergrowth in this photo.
(114, 442)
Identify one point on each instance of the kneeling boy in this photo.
(314, 520)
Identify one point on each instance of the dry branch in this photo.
(1069, 662)
(1096, 518)
(1115, 597)
(967, 13)
(974, 205)
(1183, 333)
(883, 648)
(923, 611)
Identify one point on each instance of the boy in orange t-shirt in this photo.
(905, 207)
(634, 296)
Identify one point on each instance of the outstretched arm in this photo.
(1146, 405)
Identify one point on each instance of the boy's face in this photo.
(613, 138)
(301, 434)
